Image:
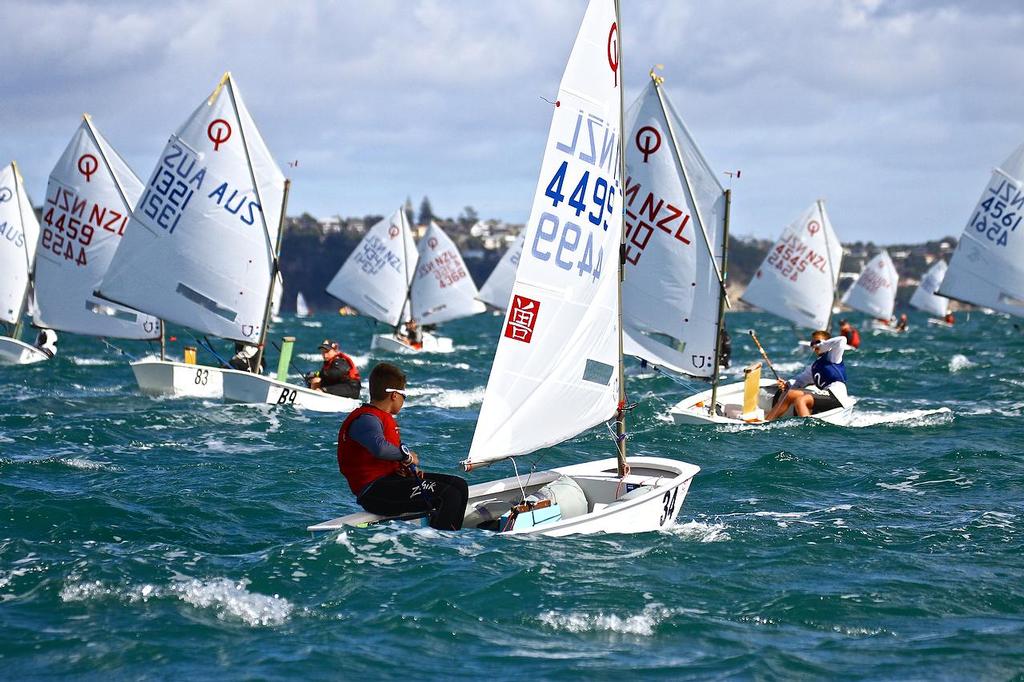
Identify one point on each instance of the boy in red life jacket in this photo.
(850, 332)
(339, 374)
(378, 466)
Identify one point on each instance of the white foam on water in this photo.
(783, 519)
(313, 324)
(859, 419)
(701, 532)
(445, 398)
(90, 362)
(233, 600)
(959, 362)
(912, 484)
(84, 591)
(87, 464)
(640, 624)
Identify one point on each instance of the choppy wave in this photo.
(959, 362)
(91, 362)
(859, 419)
(701, 532)
(445, 397)
(643, 624)
(228, 599)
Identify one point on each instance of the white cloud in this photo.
(893, 110)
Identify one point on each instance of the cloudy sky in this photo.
(893, 111)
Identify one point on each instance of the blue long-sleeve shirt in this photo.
(368, 431)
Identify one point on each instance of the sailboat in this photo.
(275, 306)
(558, 366)
(925, 298)
(19, 234)
(497, 290)
(89, 200)
(201, 247)
(797, 282)
(441, 291)
(301, 309)
(374, 280)
(987, 268)
(874, 291)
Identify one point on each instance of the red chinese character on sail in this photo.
(522, 318)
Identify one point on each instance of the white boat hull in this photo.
(614, 504)
(936, 322)
(248, 388)
(694, 410)
(15, 352)
(167, 377)
(431, 344)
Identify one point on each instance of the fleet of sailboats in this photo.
(625, 253)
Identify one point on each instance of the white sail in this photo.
(498, 288)
(275, 304)
(671, 291)
(797, 281)
(200, 247)
(987, 268)
(375, 278)
(301, 308)
(89, 200)
(874, 292)
(925, 298)
(19, 233)
(556, 367)
(442, 289)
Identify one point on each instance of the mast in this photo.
(405, 264)
(620, 421)
(275, 267)
(831, 268)
(721, 303)
(163, 342)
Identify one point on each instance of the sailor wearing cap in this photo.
(339, 374)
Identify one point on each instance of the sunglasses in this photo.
(815, 343)
(399, 391)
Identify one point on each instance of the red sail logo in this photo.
(522, 318)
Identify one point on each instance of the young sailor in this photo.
(850, 332)
(339, 374)
(381, 469)
(46, 341)
(411, 334)
(244, 358)
(901, 326)
(827, 373)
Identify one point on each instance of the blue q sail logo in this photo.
(5, 194)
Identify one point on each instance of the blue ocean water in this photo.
(165, 538)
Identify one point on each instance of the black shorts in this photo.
(824, 403)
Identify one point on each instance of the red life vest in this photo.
(355, 462)
(853, 338)
(353, 371)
